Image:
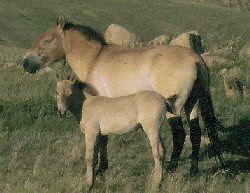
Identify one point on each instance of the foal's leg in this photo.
(103, 141)
(179, 136)
(153, 134)
(195, 135)
(90, 140)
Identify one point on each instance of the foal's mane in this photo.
(88, 32)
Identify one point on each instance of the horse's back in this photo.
(164, 69)
(174, 54)
(171, 58)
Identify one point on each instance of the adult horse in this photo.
(115, 71)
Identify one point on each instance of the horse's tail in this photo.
(207, 110)
(208, 115)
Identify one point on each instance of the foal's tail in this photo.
(170, 104)
(207, 111)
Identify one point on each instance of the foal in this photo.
(104, 116)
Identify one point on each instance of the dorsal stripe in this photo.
(88, 32)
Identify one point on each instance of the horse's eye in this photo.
(40, 51)
(48, 40)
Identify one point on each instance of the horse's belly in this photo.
(129, 89)
(125, 84)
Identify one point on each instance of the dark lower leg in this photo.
(178, 140)
(103, 141)
(195, 137)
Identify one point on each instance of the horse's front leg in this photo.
(102, 144)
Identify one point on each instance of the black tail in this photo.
(211, 122)
(207, 110)
(208, 115)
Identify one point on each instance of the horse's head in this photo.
(54, 44)
(69, 96)
(47, 49)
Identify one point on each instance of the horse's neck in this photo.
(81, 55)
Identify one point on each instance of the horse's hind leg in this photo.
(195, 135)
(179, 136)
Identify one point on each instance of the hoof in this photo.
(102, 169)
(194, 167)
(222, 161)
(87, 189)
(193, 171)
(100, 172)
(172, 166)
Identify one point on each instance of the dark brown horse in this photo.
(115, 71)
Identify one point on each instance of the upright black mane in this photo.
(88, 32)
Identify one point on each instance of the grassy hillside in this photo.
(41, 153)
(236, 4)
(21, 24)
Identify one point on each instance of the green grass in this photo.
(21, 24)
(40, 152)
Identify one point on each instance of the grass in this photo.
(41, 153)
(22, 24)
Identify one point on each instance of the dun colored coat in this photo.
(103, 116)
(114, 71)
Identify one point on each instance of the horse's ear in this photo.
(58, 77)
(61, 21)
(70, 78)
(87, 94)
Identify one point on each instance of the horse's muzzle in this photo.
(30, 65)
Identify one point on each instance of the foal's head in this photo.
(69, 96)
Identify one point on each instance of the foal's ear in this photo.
(70, 78)
(61, 21)
(58, 78)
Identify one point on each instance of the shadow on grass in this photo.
(233, 167)
(237, 141)
(238, 166)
